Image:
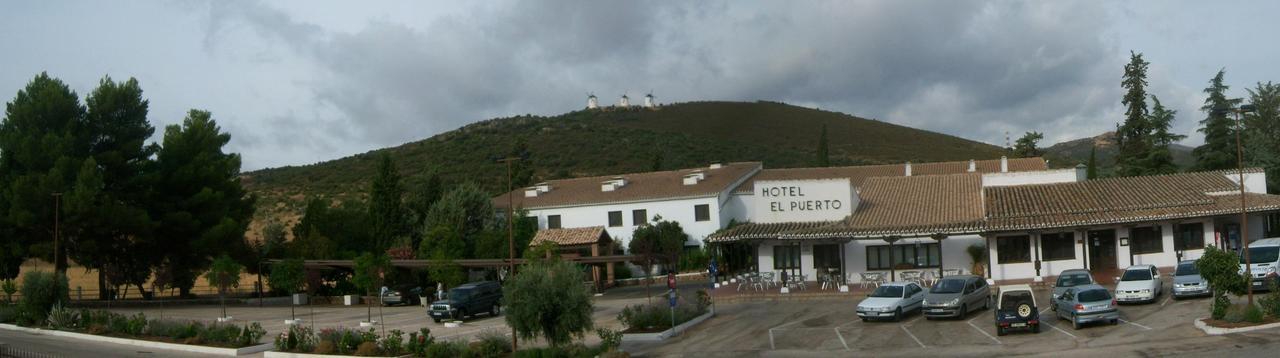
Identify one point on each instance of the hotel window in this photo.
(1058, 246)
(702, 212)
(1013, 249)
(883, 257)
(1145, 240)
(553, 221)
(615, 218)
(639, 217)
(786, 257)
(1271, 226)
(1189, 237)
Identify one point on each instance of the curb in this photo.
(664, 335)
(143, 343)
(1216, 331)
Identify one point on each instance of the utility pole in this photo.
(58, 265)
(511, 241)
(1244, 213)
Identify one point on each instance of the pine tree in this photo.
(1262, 132)
(1131, 136)
(386, 208)
(1159, 159)
(1092, 170)
(1025, 147)
(1219, 148)
(823, 156)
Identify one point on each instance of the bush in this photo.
(418, 342)
(393, 343)
(1253, 314)
(1271, 302)
(1234, 314)
(491, 343)
(367, 349)
(446, 349)
(656, 317)
(8, 314)
(40, 292)
(1221, 303)
(621, 272)
(609, 339)
(9, 288)
(63, 318)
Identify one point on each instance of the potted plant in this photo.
(978, 252)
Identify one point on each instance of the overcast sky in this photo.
(297, 82)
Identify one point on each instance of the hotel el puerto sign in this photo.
(803, 200)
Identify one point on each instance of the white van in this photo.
(1264, 257)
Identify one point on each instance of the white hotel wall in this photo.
(1166, 258)
(954, 255)
(672, 210)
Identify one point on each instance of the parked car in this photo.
(1016, 309)
(891, 300)
(402, 295)
(1087, 304)
(1139, 283)
(956, 296)
(468, 299)
(1187, 281)
(1264, 259)
(1068, 279)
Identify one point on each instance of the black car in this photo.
(467, 300)
(1016, 310)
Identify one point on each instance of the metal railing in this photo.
(9, 351)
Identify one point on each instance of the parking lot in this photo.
(831, 327)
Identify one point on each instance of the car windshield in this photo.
(1011, 300)
(1136, 275)
(1074, 279)
(459, 294)
(948, 286)
(888, 291)
(1093, 296)
(1186, 269)
(1262, 254)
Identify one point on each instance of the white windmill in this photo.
(624, 102)
(592, 102)
(648, 100)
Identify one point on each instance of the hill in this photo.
(1076, 151)
(609, 141)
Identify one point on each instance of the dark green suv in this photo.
(467, 300)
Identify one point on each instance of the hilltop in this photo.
(610, 141)
(1072, 152)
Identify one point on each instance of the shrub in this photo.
(9, 288)
(8, 314)
(1234, 314)
(1253, 314)
(1271, 302)
(393, 343)
(418, 342)
(652, 317)
(63, 318)
(609, 339)
(491, 343)
(621, 272)
(40, 292)
(1218, 310)
(446, 349)
(367, 349)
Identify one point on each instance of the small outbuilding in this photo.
(579, 242)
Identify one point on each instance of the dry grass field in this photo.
(84, 282)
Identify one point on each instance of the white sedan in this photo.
(891, 300)
(1139, 283)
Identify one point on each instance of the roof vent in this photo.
(531, 192)
(543, 187)
(694, 177)
(973, 166)
(908, 170)
(716, 165)
(1004, 164)
(613, 184)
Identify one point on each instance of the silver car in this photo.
(956, 296)
(1087, 304)
(891, 301)
(1068, 279)
(1187, 281)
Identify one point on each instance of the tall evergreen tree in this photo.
(203, 209)
(42, 145)
(1025, 147)
(1262, 132)
(1131, 135)
(386, 208)
(1159, 159)
(1092, 168)
(1219, 148)
(823, 154)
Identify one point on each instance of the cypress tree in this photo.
(823, 158)
(1219, 148)
(1132, 135)
(1092, 172)
(385, 206)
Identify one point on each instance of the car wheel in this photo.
(897, 315)
(1074, 323)
(1115, 322)
(1053, 307)
(462, 314)
(986, 303)
(964, 311)
(1000, 331)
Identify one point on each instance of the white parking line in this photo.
(1166, 301)
(913, 337)
(1061, 330)
(771, 345)
(970, 322)
(842, 342)
(1143, 327)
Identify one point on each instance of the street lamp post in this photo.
(1244, 213)
(511, 242)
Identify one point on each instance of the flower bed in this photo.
(110, 324)
(653, 318)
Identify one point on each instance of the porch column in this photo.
(843, 270)
(1038, 245)
(1084, 237)
(990, 259)
(939, 238)
(893, 259)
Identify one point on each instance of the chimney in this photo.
(1004, 164)
(694, 177)
(543, 187)
(973, 166)
(531, 192)
(908, 171)
(715, 165)
(1082, 172)
(607, 185)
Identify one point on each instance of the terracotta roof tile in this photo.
(753, 231)
(910, 206)
(571, 236)
(640, 186)
(858, 174)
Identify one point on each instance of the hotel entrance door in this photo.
(1102, 250)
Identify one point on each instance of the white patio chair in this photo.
(767, 279)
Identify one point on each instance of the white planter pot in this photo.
(292, 322)
(350, 300)
(299, 299)
(224, 319)
(452, 324)
(844, 288)
(368, 324)
(717, 285)
(733, 280)
(785, 290)
(724, 283)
